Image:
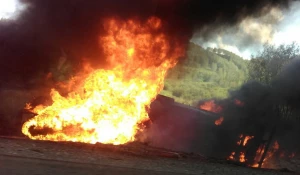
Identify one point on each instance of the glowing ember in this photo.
(242, 157)
(246, 139)
(242, 139)
(238, 102)
(231, 157)
(292, 155)
(268, 156)
(275, 146)
(219, 121)
(211, 106)
(259, 153)
(108, 106)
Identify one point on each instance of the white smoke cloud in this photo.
(247, 38)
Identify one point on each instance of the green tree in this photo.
(268, 63)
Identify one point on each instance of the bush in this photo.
(177, 92)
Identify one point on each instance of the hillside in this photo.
(204, 74)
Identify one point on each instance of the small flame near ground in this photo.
(243, 140)
(269, 154)
(108, 106)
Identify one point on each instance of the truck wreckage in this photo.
(184, 131)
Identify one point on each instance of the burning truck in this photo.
(119, 103)
(115, 105)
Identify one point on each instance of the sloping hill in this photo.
(204, 74)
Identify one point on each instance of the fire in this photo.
(238, 102)
(211, 106)
(246, 139)
(243, 140)
(292, 155)
(269, 154)
(231, 157)
(219, 121)
(109, 106)
(242, 157)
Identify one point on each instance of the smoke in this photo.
(264, 107)
(276, 25)
(34, 41)
(286, 86)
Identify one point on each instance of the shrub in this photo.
(177, 92)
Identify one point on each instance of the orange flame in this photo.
(269, 154)
(219, 121)
(108, 106)
(246, 139)
(28, 106)
(238, 102)
(242, 157)
(211, 106)
(231, 157)
(241, 140)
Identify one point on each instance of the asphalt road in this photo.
(10, 165)
(29, 157)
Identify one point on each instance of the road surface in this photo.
(28, 157)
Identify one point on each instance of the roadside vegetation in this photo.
(205, 74)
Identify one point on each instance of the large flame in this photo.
(108, 106)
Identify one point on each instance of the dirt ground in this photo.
(23, 156)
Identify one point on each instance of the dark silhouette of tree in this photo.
(265, 68)
(268, 63)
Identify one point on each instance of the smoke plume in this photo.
(265, 107)
(35, 40)
(276, 25)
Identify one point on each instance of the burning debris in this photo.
(219, 121)
(241, 145)
(260, 152)
(263, 114)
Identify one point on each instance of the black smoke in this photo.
(264, 109)
(34, 41)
